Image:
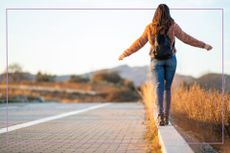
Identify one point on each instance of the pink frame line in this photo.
(141, 9)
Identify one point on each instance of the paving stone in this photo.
(114, 128)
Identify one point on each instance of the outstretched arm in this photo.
(186, 38)
(138, 44)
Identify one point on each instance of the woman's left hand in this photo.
(121, 57)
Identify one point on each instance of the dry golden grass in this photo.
(56, 91)
(192, 105)
(151, 135)
(201, 105)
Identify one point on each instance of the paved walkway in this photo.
(113, 128)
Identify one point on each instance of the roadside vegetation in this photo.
(202, 108)
(195, 110)
(102, 86)
(151, 134)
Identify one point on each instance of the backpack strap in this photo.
(173, 45)
(166, 32)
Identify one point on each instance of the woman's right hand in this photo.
(208, 47)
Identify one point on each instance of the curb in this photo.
(171, 141)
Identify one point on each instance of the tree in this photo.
(107, 76)
(14, 68)
(43, 77)
(78, 79)
(15, 73)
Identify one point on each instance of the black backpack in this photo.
(163, 49)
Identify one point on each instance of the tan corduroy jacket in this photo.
(174, 31)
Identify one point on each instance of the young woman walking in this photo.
(161, 33)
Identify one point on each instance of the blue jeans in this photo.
(163, 73)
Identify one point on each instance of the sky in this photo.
(78, 41)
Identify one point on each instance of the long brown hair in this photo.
(162, 19)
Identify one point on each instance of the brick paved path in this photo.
(113, 128)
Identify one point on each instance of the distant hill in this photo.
(61, 78)
(139, 74)
(24, 76)
(136, 74)
(179, 79)
(214, 81)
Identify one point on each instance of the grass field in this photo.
(70, 91)
(200, 112)
(196, 110)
